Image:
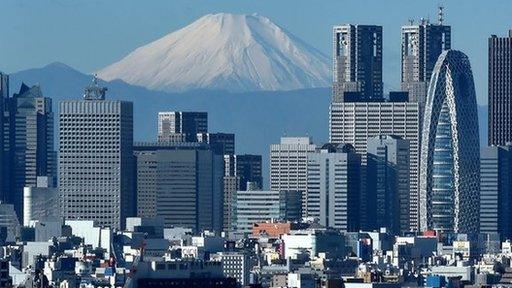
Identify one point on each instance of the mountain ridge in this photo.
(234, 52)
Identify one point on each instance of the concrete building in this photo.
(496, 190)
(221, 143)
(178, 122)
(96, 158)
(254, 206)
(357, 61)
(450, 149)
(311, 242)
(235, 265)
(4, 172)
(288, 164)
(422, 43)
(500, 90)
(181, 182)
(41, 202)
(354, 122)
(388, 183)
(333, 186)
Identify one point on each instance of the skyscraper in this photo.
(180, 182)
(450, 153)
(355, 122)
(421, 46)
(238, 171)
(496, 190)
(289, 164)
(187, 124)
(388, 183)
(221, 143)
(31, 141)
(357, 61)
(96, 158)
(500, 89)
(333, 186)
(4, 177)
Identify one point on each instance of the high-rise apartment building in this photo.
(333, 186)
(500, 90)
(496, 190)
(221, 143)
(357, 61)
(180, 182)
(422, 44)
(450, 153)
(96, 159)
(289, 164)
(176, 124)
(354, 122)
(388, 183)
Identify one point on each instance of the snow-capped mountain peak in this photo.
(224, 51)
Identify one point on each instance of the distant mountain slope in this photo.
(258, 118)
(224, 52)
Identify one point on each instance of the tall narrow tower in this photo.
(500, 90)
(450, 153)
(422, 44)
(357, 61)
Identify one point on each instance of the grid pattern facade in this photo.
(333, 188)
(355, 122)
(177, 122)
(421, 46)
(496, 190)
(450, 153)
(357, 61)
(177, 182)
(288, 164)
(500, 90)
(96, 161)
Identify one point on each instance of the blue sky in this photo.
(90, 34)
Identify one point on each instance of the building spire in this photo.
(94, 91)
(440, 14)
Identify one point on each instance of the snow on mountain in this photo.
(226, 52)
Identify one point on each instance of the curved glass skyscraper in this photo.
(450, 151)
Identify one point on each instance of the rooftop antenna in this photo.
(440, 14)
(411, 22)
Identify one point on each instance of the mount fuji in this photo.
(237, 53)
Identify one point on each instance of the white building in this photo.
(41, 202)
(235, 265)
(288, 164)
(355, 122)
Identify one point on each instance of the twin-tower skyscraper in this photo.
(438, 86)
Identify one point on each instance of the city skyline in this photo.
(95, 57)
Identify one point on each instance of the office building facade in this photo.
(496, 190)
(41, 202)
(221, 143)
(180, 182)
(450, 153)
(96, 159)
(174, 125)
(238, 171)
(422, 44)
(354, 122)
(388, 183)
(333, 186)
(500, 90)
(357, 61)
(289, 164)
(4, 155)
(255, 206)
